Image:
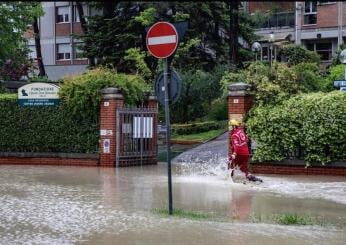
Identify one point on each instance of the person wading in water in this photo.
(240, 153)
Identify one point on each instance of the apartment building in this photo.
(318, 25)
(60, 50)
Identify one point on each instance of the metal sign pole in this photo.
(168, 136)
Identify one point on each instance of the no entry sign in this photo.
(162, 40)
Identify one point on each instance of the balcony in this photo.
(279, 20)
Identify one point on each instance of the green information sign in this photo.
(38, 94)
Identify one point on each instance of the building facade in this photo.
(60, 48)
(317, 25)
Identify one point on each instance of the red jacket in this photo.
(239, 142)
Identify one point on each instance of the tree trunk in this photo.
(234, 31)
(42, 71)
(81, 16)
(84, 28)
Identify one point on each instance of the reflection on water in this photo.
(69, 205)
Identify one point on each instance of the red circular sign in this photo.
(162, 39)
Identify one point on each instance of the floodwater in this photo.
(77, 205)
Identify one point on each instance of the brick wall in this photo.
(62, 29)
(264, 168)
(77, 28)
(327, 15)
(49, 161)
(63, 62)
(239, 104)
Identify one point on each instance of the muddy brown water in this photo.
(76, 205)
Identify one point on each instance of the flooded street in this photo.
(76, 205)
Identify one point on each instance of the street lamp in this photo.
(342, 59)
(256, 47)
(271, 40)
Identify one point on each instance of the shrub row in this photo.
(44, 129)
(192, 128)
(313, 123)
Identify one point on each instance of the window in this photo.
(323, 49)
(78, 53)
(76, 13)
(62, 14)
(63, 52)
(265, 53)
(310, 13)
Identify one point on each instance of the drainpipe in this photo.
(340, 19)
(298, 22)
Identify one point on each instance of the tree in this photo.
(84, 26)
(15, 17)
(234, 31)
(120, 27)
(42, 71)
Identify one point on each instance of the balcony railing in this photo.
(283, 19)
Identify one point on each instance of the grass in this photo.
(293, 219)
(287, 219)
(184, 214)
(283, 219)
(201, 137)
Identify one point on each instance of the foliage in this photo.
(218, 109)
(183, 214)
(138, 57)
(200, 137)
(295, 54)
(311, 123)
(199, 90)
(309, 77)
(336, 57)
(14, 20)
(15, 66)
(82, 93)
(120, 26)
(271, 85)
(337, 72)
(197, 127)
(293, 219)
(146, 17)
(44, 129)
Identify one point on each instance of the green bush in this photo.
(295, 54)
(82, 93)
(199, 90)
(218, 110)
(198, 127)
(44, 129)
(278, 83)
(311, 122)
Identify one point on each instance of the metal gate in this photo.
(136, 137)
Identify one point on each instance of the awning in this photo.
(278, 37)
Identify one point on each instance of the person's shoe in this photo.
(253, 178)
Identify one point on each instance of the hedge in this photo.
(44, 129)
(312, 123)
(183, 129)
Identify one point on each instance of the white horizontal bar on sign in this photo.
(162, 40)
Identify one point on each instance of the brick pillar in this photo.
(240, 102)
(152, 102)
(111, 100)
